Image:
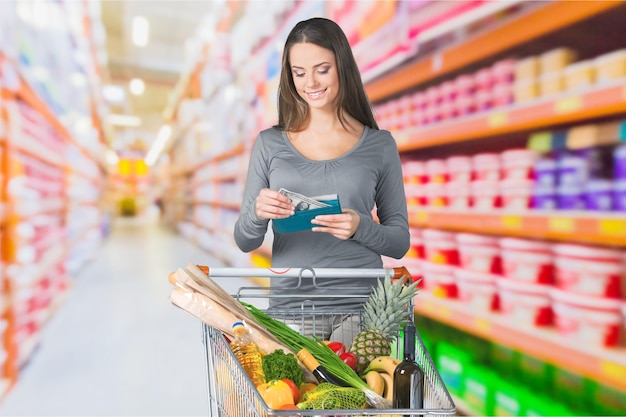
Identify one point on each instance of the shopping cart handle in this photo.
(394, 273)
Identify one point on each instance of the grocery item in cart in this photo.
(247, 353)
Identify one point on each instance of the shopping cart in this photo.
(232, 394)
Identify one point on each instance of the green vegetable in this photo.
(278, 365)
(326, 357)
(331, 397)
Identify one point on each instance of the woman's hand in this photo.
(343, 226)
(270, 204)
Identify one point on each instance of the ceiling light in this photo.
(124, 120)
(141, 28)
(137, 86)
(158, 145)
(114, 94)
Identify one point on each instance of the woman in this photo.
(326, 142)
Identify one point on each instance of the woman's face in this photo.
(314, 73)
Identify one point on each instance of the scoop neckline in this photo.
(345, 154)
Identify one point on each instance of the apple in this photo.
(349, 358)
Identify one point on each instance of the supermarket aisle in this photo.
(117, 346)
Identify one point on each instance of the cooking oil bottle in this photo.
(247, 353)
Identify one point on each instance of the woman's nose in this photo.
(311, 80)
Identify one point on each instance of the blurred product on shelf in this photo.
(479, 253)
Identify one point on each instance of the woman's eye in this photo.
(299, 74)
(324, 71)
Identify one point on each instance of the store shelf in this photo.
(230, 153)
(29, 96)
(550, 18)
(607, 366)
(582, 227)
(600, 101)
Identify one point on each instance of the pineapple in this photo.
(384, 311)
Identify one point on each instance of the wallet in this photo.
(301, 220)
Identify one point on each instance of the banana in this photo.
(375, 382)
(385, 364)
(388, 393)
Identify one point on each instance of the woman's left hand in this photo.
(343, 226)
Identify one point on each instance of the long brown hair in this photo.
(293, 111)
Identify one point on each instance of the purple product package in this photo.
(599, 195)
(570, 197)
(544, 197)
(619, 195)
(545, 171)
(619, 162)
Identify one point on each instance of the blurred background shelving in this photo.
(510, 118)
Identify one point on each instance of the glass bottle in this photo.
(313, 365)
(247, 353)
(408, 378)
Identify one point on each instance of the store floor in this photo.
(117, 346)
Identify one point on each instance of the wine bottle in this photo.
(317, 369)
(408, 378)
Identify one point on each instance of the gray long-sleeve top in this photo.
(367, 176)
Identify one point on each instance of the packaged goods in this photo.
(517, 194)
(599, 195)
(479, 383)
(611, 66)
(479, 253)
(589, 270)
(459, 168)
(436, 170)
(619, 162)
(485, 195)
(527, 68)
(551, 83)
(483, 79)
(518, 164)
(483, 99)
(527, 260)
(544, 197)
(502, 94)
(556, 59)
(619, 195)
(545, 171)
(464, 104)
(580, 75)
(572, 170)
(597, 134)
(504, 71)
(436, 195)
(594, 321)
(448, 91)
(440, 280)
(417, 243)
(524, 303)
(458, 195)
(486, 166)
(440, 247)
(464, 85)
(477, 289)
(525, 90)
(570, 197)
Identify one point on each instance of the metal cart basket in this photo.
(232, 394)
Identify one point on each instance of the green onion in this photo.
(325, 356)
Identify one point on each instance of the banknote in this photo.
(302, 202)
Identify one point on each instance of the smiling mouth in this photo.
(316, 94)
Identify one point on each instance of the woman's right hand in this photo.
(270, 204)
